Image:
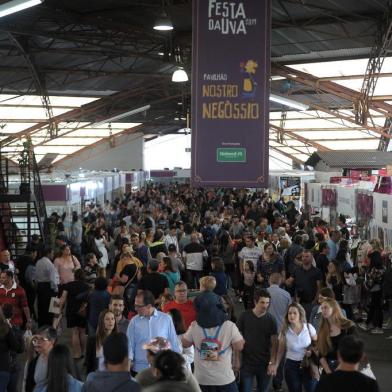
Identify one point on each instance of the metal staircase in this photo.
(22, 205)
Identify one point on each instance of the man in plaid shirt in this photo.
(11, 293)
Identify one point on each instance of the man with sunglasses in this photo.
(148, 324)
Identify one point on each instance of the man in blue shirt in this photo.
(333, 244)
(148, 324)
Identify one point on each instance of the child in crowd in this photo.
(209, 307)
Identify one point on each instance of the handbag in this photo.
(311, 362)
(82, 312)
(83, 308)
(54, 306)
(351, 294)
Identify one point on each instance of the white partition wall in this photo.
(314, 194)
(346, 201)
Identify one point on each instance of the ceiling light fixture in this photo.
(163, 23)
(122, 115)
(179, 75)
(288, 102)
(17, 5)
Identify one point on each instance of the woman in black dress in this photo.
(72, 292)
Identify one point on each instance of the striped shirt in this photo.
(16, 297)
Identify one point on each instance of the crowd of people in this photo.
(181, 289)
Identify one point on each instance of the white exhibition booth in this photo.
(369, 210)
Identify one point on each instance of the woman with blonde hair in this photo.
(66, 264)
(127, 258)
(333, 327)
(296, 339)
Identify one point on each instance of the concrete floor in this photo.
(379, 351)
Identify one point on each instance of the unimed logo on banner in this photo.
(230, 93)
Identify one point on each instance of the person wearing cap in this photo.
(147, 377)
(148, 322)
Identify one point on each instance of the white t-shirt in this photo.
(296, 345)
(250, 254)
(214, 372)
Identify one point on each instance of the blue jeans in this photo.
(262, 378)
(295, 377)
(4, 380)
(220, 388)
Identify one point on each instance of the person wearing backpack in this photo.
(215, 339)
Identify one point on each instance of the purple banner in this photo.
(328, 197)
(54, 192)
(230, 93)
(162, 173)
(129, 178)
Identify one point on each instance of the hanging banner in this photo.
(230, 93)
(328, 197)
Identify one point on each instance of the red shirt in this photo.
(187, 310)
(16, 297)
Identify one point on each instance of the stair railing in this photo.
(39, 199)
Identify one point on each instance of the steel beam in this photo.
(294, 158)
(97, 106)
(302, 139)
(89, 72)
(377, 56)
(385, 140)
(312, 81)
(38, 81)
